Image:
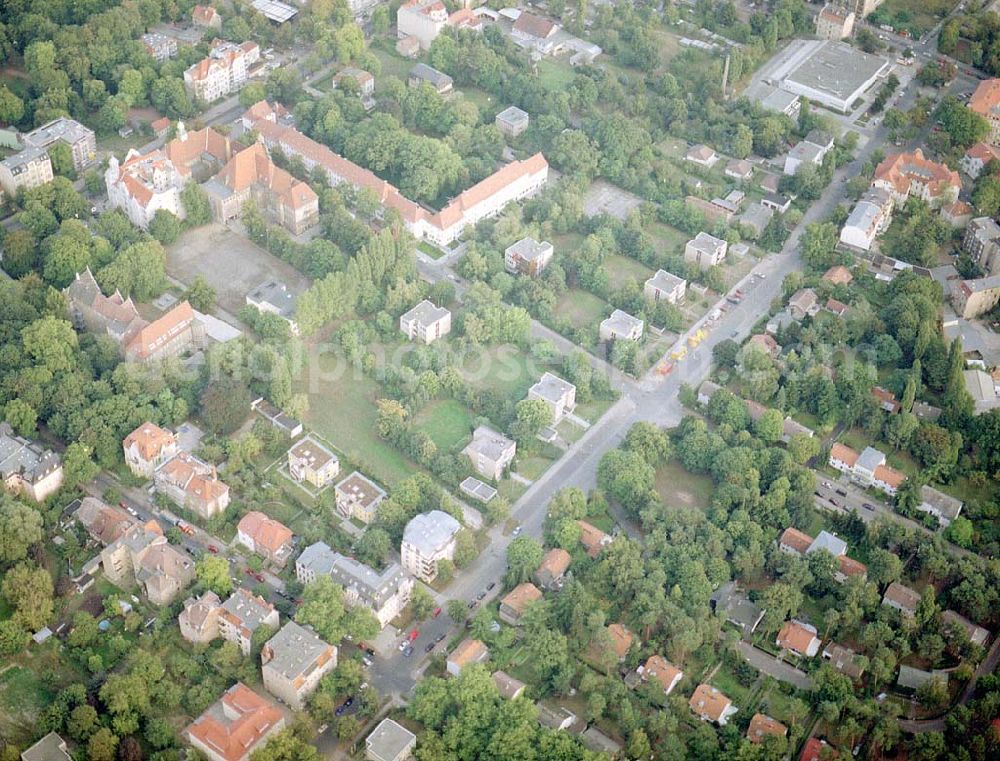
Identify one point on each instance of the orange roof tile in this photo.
(838, 275)
(889, 476)
(900, 169)
(592, 538)
(844, 454)
(621, 639)
(796, 637)
(468, 651)
(183, 152)
(663, 671)
(762, 725)
(149, 439)
(521, 596)
(985, 101)
(237, 723)
(556, 561)
(709, 701)
(851, 567)
(796, 540)
(266, 532)
(983, 152)
(535, 26)
(148, 339)
(204, 14)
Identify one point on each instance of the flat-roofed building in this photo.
(829, 72)
(428, 539)
(490, 452)
(621, 326)
(274, 297)
(512, 121)
(27, 169)
(242, 615)
(292, 663)
(81, 140)
(159, 46)
(558, 394)
(50, 748)
(528, 257)
(357, 496)
(390, 741)
(312, 462)
(425, 322)
(665, 285)
(705, 250)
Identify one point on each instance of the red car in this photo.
(259, 577)
(437, 612)
(414, 634)
(213, 549)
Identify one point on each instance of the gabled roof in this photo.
(902, 596)
(621, 639)
(189, 147)
(468, 651)
(234, 725)
(556, 561)
(266, 532)
(521, 596)
(797, 636)
(253, 166)
(663, 671)
(158, 332)
(844, 454)
(901, 169)
(149, 440)
(889, 476)
(762, 725)
(985, 101)
(708, 701)
(796, 540)
(838, 275)
(534, 26)
(592, 538)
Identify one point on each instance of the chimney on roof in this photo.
(182, 134)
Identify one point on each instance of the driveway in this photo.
(771, 666)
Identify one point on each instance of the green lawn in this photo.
(342, 409)
(22, 699)
(393, 64)
(668, 238)
(555, 75)
(581, 308)
(621, 269)
(432, 251)
(678, 488)
(502, 369)
(726, 683)
(448, 422)
(532, 467)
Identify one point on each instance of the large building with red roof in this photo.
(172, 334)
(236, 725)
(985, 101)
(486, 199)
(910, 174)
(423, 20)
(225, 70)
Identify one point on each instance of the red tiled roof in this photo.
(844, 454)
(468, 651)
(900, 169)
(521, 596)
(204, 14)
(183, 152)
(146, 340)
(837, 307)
(663, 671)
(795, 539)
(889, 476)
(244, 721)
(149, 439)
(253, 165)
(983, 152)
(762, 725)
(851, 567)
(556, 561)
(535, 26)
(813, 749)
(709, 701)
(266, 532)
(794, 636)
(621, 639)
(838, 275)
(591, 537)
(985, 101)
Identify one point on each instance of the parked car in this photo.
(439, 638)
(490, 586)
(213, 549)
(413, 635)
(437, 612)
(429, 646)
(868, 506)
(408, 651)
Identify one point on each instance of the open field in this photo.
(555, 75)
(393, 64)
(621, 269)
(678, 488)
(604, 198)
(22, 699)
(502, 369)
(231, 264)
(581, 308)
(668, 239)
(342, 409)
(448, 422)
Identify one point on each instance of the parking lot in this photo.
(230, 263)
(604, 198)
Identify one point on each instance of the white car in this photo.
(517, 530)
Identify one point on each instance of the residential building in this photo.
(284, 423)
(913, 679)
(199, 621)
(621, 326)
(390, 741)
(536, 33)
(513, 605)
(491, 453)
(925, 412)
(756, 219)
(143, 184)
(425, 322)
(868, 468)
(838, 274)
(765, 343)
(312, 462)
(81, 140)
(803, 303)
(224, 71)
(192, 484)
(705, 250)
(972, 298)
(270, 539)
(428, 539)
(206, 16)
(702, 155)
(236, 725)
(147, 448)
(886, 400)
(468, 653)
(814, 748)
(358, 497)
(659, 669)
(512, 121)
(735, 607)
(408, 47)
(363, 79)
(739, 169)
(486, 199)
(957, 214)
(985, 101)
(798, 638)
(274, 10)
(159, 46)
(810, 150)
(834, 22)
(142, 556)
(666, 286)
(708, 704)
(942, 506)
(777, 202)
(114, 316)
(422, 74)
(977, 635)
(906, 174)
(558, 394)
(292, 663)
(976, 159)
(423, 20)
(593, 539)
(103, 523)
(794, 542)
(902, 598)
(982, 243)
(251, 175)
(175, 333)
(557, 718)
(553, 567)
(242, 615)
(595, 740)
(844, 660)
(26, 169)
(508, 687)
(274, 297)
(790, 428)
(27, 468)
(50, 748)
(528, 257)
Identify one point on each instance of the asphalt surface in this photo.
(774, 667)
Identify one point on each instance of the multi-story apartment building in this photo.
(242, 615)
(358, 497)
(312, 462)
(425, 322)
(147, 448)
(490, 453)
(428, 539)
(27, 169)
(705, 250)
(192, 484)
(665, 285)
(27, 468)
(528, 257)
(224, 71)
(81, 140)
(292, 663)
(910, 174)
